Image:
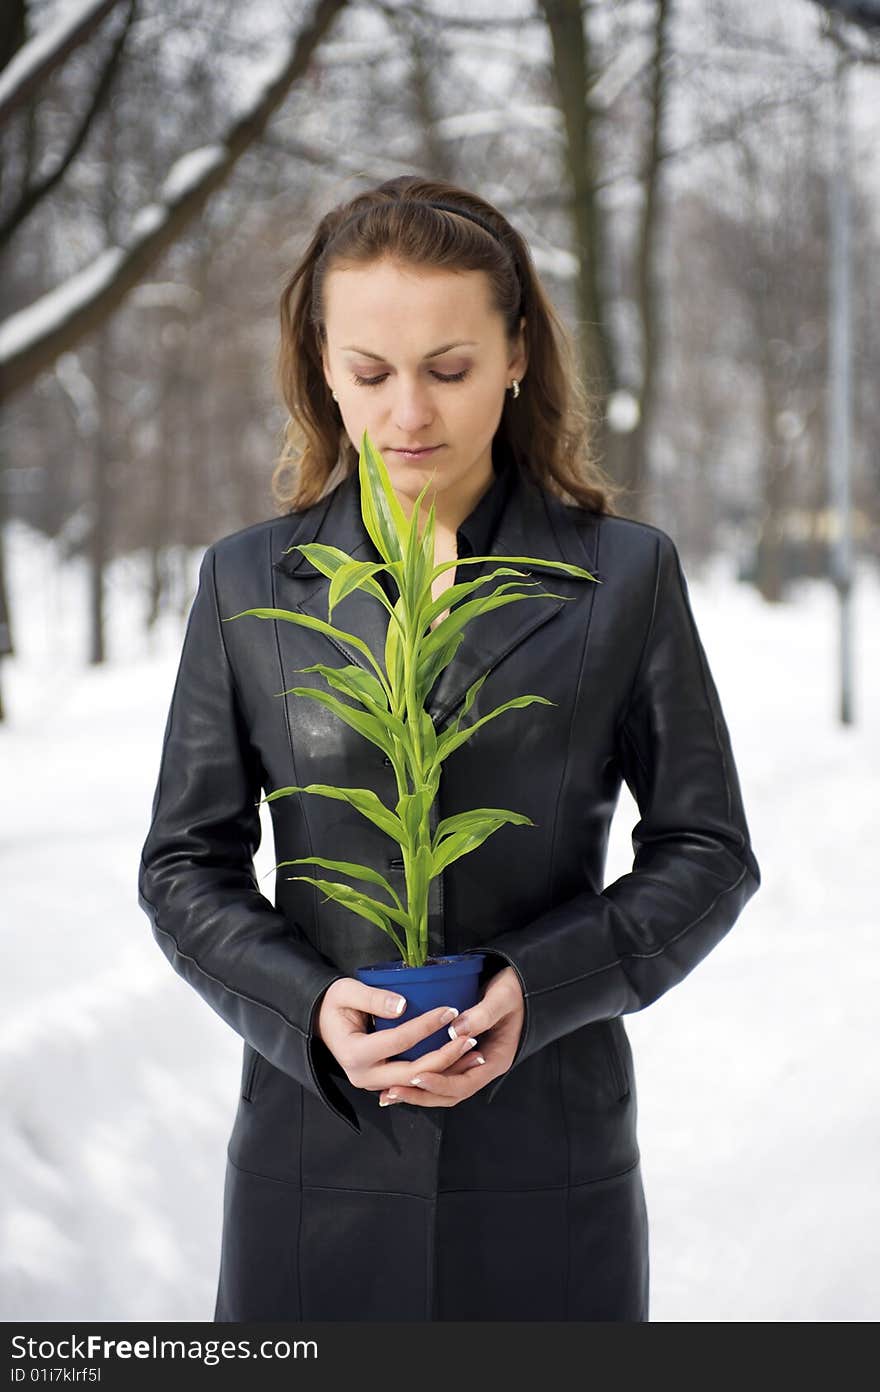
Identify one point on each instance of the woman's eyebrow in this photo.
(435, 353)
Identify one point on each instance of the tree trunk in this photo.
(571, 67)
(636, 461)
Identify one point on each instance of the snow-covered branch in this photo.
(37, 58)
(32, 339)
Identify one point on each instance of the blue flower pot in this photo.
(453, 980)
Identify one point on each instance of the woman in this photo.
(497, 1181)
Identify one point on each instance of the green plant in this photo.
(389, 707)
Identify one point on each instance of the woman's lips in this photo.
(417, 454)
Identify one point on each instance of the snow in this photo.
(191, 170)
(148, 220)
(52, 310)
(757, 1076)
(492, 120)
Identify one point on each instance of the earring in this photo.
(515, 385)
(335, 397)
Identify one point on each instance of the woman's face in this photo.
(384, 325)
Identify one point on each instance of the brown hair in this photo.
(546, 430)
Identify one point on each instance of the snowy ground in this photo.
(758, 1077)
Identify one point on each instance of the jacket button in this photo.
(386, 759)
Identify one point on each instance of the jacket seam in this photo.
(327, 1188)
(625, 956)
(161, 779)
(428, 1198)
(627, 736)
(711, 706)
(550, 1188)
(557, 1059)
(647, 638)
(248, 1088)
(299, 1222)
(187, 957)
(567, 767)
(290, 745)
(236, 689)
(239, 709)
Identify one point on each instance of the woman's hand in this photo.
(343, 1024)
(496, 1021)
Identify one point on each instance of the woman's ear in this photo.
(520, 360)
(325, 369)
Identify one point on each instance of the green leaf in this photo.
(415, 565)
(379, 729)
(539, 561)
(420, 878)
(347, 867)
(394, 658)
(432, 664)
(358, 903)
(471, 696)
(458, 592)
(354, 576)
(369, 723)
(456, 723)
(382, 513)
(452, 739)
(330, 560)
(318, 625)
(352, 681)
(468, 821)
(327, 559)
(428, 547)
(459, 618)
(429, 738)
(363, 800)
(412, 809)
(466, 839)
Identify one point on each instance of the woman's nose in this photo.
(411, 408)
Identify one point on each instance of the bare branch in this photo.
(34, 193)
(865, 13)
(489, 23)
(42, 54)
(31, 340)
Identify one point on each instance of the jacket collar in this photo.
(533, 523)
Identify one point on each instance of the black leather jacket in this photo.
(552, 1142)
(633, 696)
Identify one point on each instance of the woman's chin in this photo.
(410, 477)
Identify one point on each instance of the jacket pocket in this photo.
(616, 1065)
(249, 1074)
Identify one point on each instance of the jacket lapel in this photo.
(533, 524)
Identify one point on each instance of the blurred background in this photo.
(699, 184)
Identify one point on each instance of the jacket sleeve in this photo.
(595, 956)
(197, 883)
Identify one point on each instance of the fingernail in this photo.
(397, 1004)
(479, 1058)
(416, 1082)
(392, 1098)
(471, 1043)
(448, 1015)
(456, 1031)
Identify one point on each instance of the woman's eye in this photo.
(374, 381)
